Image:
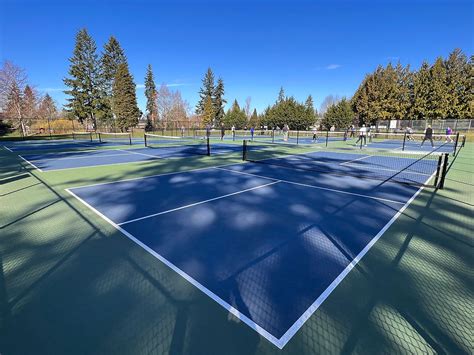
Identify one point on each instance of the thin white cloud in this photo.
(176, 84)
(333, 66)
(142, 86)
(51, 89)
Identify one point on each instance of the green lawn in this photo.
(72, 284)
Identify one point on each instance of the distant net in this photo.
(82, 136)
(182, 145)
(115, 138)
(413, 168)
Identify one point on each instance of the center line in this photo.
(198, 203)
(314, 187)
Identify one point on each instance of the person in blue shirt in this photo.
(252, 130)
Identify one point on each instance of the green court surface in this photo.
(70, 283)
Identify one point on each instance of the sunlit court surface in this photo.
(163, 199)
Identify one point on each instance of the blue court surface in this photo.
(269, 244)
(64, 144)
(88, 158)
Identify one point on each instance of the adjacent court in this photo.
(267, 243)
(88, 158)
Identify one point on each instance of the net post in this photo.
(327, 137)
(144, 138)
(444, 169)
(100, 138)
(404, 140)
(438, 170)
(244, 150)
(130, 138)
(297, 136)
(456, 143)
(273, 135)
(208, 146)
(233, 135)
(361, 141)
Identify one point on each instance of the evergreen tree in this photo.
(29, 103)
(421, 93)
(208, 113)
(88, 101)
(207, 91)
(281, 95)
(468, 95)
(290, 112)
(438, 94)
(339, 115)
(219, 102)
(235, 116)
(124, 103)
(310, 107)
(150, 94)
(47, 107)
(457, 82)
(254, 119)
(112, 56)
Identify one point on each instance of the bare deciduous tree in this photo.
(328, 101)
(10, 74)
(172, 110)
(248, 101)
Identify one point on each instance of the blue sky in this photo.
(308, 47)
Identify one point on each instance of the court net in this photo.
(413, 168)
(115, 138)
(82, 136)
(192, 146)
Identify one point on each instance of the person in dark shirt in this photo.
(428, 136)
(222, 131)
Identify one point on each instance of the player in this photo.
(362, 135)
(428, 136)
(315, 135)
(449, 132)
(222, 131)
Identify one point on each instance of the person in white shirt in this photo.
(362, 135)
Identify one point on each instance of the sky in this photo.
(307, 47)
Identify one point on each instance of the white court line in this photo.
(198, 203)
(156, 175)
(361, 158)
(11, 151)
(29, 162)
(146, 155)
(281, 342)
(271, 338)
(81, 157)
(309, 312)
(386, 169)
(312, 186)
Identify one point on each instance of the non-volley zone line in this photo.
(199, 203)
(311, 186)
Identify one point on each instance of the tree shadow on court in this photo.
(90, 290)
(70, 285)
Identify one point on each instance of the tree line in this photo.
(101, 89)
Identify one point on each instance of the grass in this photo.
(71, 283)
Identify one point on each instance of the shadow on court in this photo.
(70, 283)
